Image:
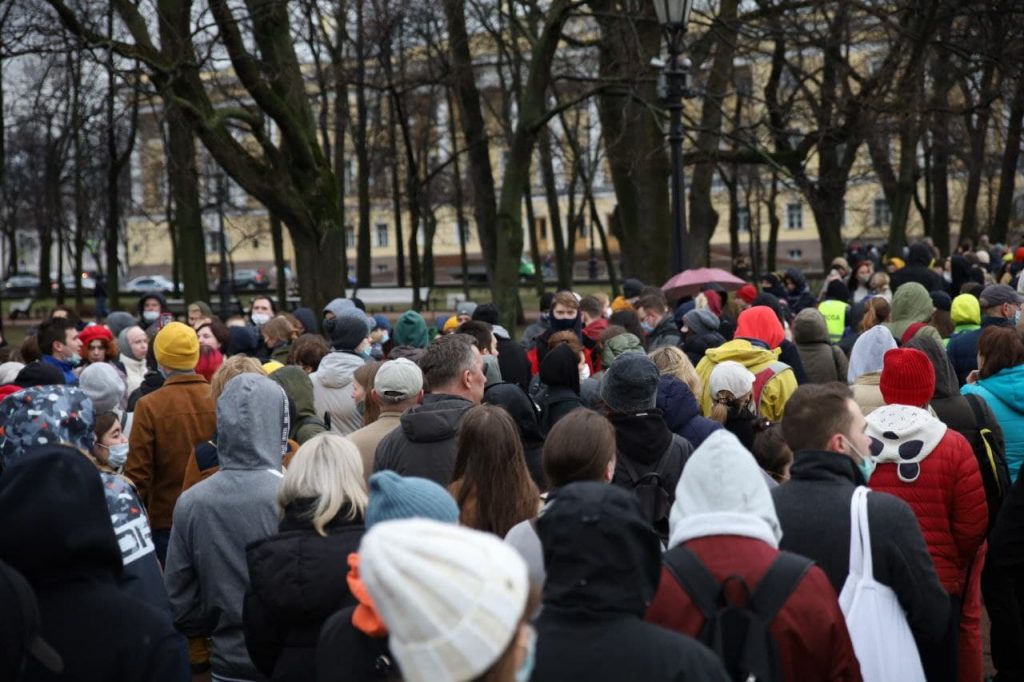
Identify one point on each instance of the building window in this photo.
(881, 212)
(743, 218)
(382, 234)
(796, 254)
(794, 216)
(212, 242)
(350, 237)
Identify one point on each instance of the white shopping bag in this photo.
(877, 623)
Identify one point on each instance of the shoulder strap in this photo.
(778, 583)
(762, 378)
(631, 472)
(695, 579)
(979, 417)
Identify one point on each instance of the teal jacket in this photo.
(1004, 393)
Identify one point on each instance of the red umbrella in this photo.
(690, 282)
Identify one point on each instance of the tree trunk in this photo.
(977, 135)
(1011, 156)
(773, 224)
(563, 260)
(340, 125)
(80, 171)
(183, 178)
(734, 220)
(361, 142)
(609, 262)
(460, 201)
(396, 193)
(535, 255)
(281, 281)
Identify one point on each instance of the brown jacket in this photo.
(167, 425)
(368, 437)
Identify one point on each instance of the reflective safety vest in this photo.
(834, 313)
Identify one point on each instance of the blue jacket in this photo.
(69, 376)
(963, 348)
(1004, 393)
(682, 413)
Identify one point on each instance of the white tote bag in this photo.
(877, 623)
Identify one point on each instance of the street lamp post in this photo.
(674, 15)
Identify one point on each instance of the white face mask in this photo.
(151, 315)
(260, 319)
(584, 372)
(117, 454)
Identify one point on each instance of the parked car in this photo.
(88, 281)
(21, 282)
(250, 279)
(149, 283)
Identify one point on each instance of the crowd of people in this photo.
(761, 484)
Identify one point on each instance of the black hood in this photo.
(642, 437)
(514, 400)
(919, 254)
(559, 368)
(795, 276)
(156, 296)
(600, 553)
(676, 402)
(55, 516)
(946, 385)
(437, 419)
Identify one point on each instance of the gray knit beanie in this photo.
(701, 321)
(104, 386)
(630, 385)
(348, 329)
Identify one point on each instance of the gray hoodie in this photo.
(332, 390)
(206, 573)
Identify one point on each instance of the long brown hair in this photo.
(365, 376)
(1000, 348)
(578, 448)
(876, 311)
(491, 483)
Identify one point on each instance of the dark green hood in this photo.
(297, 385)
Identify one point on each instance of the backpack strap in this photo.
(695, 579)
(778, 583)
(979, 417)
(761, 380)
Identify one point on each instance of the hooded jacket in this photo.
(214, 520)
(154, 295)
(1004, 393)
(802, 297)
(823, 362)
(755, 358)
(298, 386)
(681, 412)
(724, 514)
(559, 372)
(603, 563)
(57, 531)
(965, 312)
(332, 390)
(425, 443)
(522, 410)
(963, 348)
(910, 304)
(940, 482)
(865, 369)
(917, 270)
(665, 333)
(617, 345)
(296, 580)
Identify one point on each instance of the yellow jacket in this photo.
(776, 392)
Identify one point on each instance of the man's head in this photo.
(547, 299)
(349, 330)
(59, 338)
(152, 304)
(452, 364)
(481, 332)
(591, 309)
(1000, 300)
(261, 310)
(630, 384)
(176, 348)
(398, 385)
(825, 417)
(650, 308)
(565, 306)
(464, 311)
(631, 289)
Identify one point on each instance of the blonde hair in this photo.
(329, 469)
(723, 401)
(879, 281)
(280, 328)
(231, 368)
(672, 361)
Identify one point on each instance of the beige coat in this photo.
(866, 392)
(368, 437)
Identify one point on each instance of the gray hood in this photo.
(809, 327)
(338, 305)
(336, 369)
(252, 424)
(946, 385)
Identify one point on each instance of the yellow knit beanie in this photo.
(177, 347)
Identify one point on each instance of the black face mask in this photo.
(560, 325)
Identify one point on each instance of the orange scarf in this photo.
(365, 617)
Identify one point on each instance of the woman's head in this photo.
(307, 351)
(278, 331)
(773, 453)
(999, 348)
(213, 334)
(879, 282)
(198, 313)
(231, 368)
(328, 469)
(111, 444)
(730, 385)
(876, 311)
(362, 391)
(133, 342)
(580, 447)
(672, 361)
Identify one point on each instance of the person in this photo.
(278, 334)
(60, 346)
(603, 562)
(657, 321)
(491, 484)
(999, 383)
(58, 534)
(942, 318)
(798, 294)
(295, 575)
(581, 447)
(872, 312)
(227, 511)
(307, 352)
(822, 359)
(933, 469)
(426, 443)
(166, 425)
(524, 413)
(724, 524)
(487, 342)
(118, 320)
(397, 387)
(353, 645)
(512, 360)
(362, 392)
(732, 385)
(151, 305)
(759, 334)
(826, 431)
(97, 344)
(560, 376)
(104, 386)
(411, 330)
(592, 314)
(565, 316)
(700, 333)
(1000, 306)
(644, 443)
(261, 310)
(681, 412)
(674, 362)
(214, 335)
(332, 382)
(772, 453)
(912, 310)
(965, 313)
(540, 326)
(133, 344)
(198, 312)
(24, 650)
(860, 280)
(918, 270)
(306, 424)
(456, 601)
(835, 310)
(865, 369)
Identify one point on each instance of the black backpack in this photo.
(739, 635)
(991, 456)
(655, 500)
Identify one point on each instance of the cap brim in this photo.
(45, 654)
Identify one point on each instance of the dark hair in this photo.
(611, 331)
(578, 448)
(69, 314)
(104, 421)
(219, 331)
(481, 333)
(1000, 348)
(772, 452)
(52, 331)
(876, 311)
(653, 301)
(815, 413)
(308, 350)
(365, 376)
(486, 312)
(591, 306)
(630, 322)
(411, 353)
(547, 299)
(263, 297)
(445, 360)
(943, 322)
(491, 483)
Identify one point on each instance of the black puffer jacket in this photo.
(603, 563)
(57, 531)
(424, 445)
(296, 580)
(919, 258)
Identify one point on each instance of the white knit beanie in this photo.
(452, 598)
(730, 376)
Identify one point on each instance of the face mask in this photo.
(365, 353)
(947, 276)
(117, 454)
(75, 360)
(585, 372)
(259, 319)
(647, 327)
(866, 465)
(559, 325)
(863, 279)
(384, 338)
(526, 669)
(151, 315)
(1016, 318)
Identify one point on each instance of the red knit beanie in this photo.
(747, 293)
(908, 377)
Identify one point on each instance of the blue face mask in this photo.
(117, 454)
(1016, 318)
(384, 338)
(75, 360)
(525, 670)
(648, 328)
(865, 464)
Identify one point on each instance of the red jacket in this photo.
(810, 630)
(948, 500)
